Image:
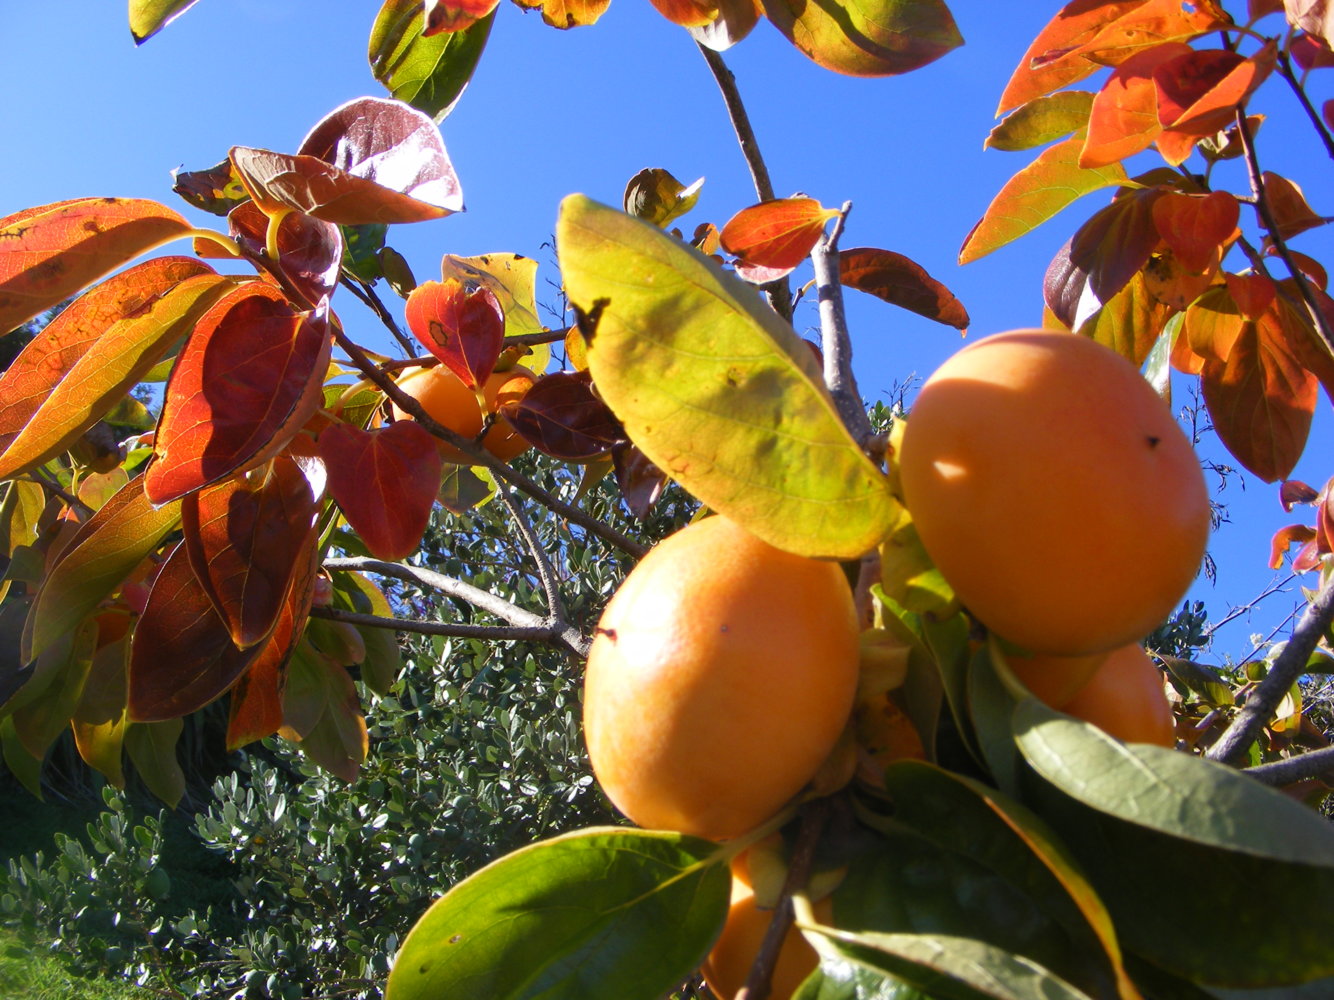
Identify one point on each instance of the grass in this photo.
(29, 975)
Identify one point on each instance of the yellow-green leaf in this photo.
(867, 37)
(148, 17)
(152, 750)
(717, 390)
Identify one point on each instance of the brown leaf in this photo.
(216, 190)
(901, 282)
(248, 378)
(460, 323)
(50, 252)
(246, 538)
(181, 657)
(563, 417)
(310, 252)
(384, 481)
(1129, 322)
(1315, 17)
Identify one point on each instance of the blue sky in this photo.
(549, 113)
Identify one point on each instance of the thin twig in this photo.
(373, 302)
(836, 341)
(41, 479)
(479, 455)
(1285, 70)
(519, 617)
(1314, 764)
(545, 572)
(1286, 668)
(779, 292)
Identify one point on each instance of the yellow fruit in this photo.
(720, 678)
(1054, 491)
(450, 402)
(729, 963)
(1125, 698)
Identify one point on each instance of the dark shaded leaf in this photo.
(563, 417)
(901, 282)
(310, 252)
(216, 190)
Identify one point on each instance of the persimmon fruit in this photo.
(1032, 459)
(721, 676)
(1054, 679)
(1125, 698)
(450, 402)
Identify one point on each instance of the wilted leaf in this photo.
(1042, 120)
(561, 416)
(656, 196)
(640, 481)
(460, 323)
(384, 481)
(310, 252)
(718, 392)
(248, 378)
(429, 73)
(148, 17)
(572, 916)
(49, 253)
(1032, 196)
(216, 190)
(901, 282)
(867, 37)
(98, 558)
(776, 234)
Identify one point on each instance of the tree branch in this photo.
(836, 341)
(540, 633)
(1284, 772)
(366, 293)
(534, 626)
(546, 573)
(1287, 667)
(1285, 70)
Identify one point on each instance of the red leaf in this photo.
(181, 657)
(1293, 491)
(776, 234)
(1285, 538)
(248, 378)
(1310, 53)
(1199, 92)
(384, 481)
(49, 253)
(562, 416)
(901, 282)
(246, 537)
(1124, 117)
(461, 324)
(1195, 227)
(310, 252)
(1116, 243)
(455, 15)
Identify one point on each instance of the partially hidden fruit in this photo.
(1055, 492)
(450, 402)
(1054, 679)
(1125, 698)
(720, 678)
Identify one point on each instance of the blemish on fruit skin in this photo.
(1153, 441)
(610, 633)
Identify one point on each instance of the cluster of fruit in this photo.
(1053, 490)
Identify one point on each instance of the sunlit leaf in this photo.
(867, 37)
(687, 13)
(216, 190)
(572, 916)
(1315, 17)
(1291, 211)
(1042, 120)
(248, 378)
(655, 195)
(1199, 91)
(1124, 117)
(1129, 322)
(1195, 227)
(1150, 25)
(460, 323)
(384, 481)
(446, 16)
(565, 14)
(148, 17)
(1032, 196)
(101, 555)
(310, 252)
(49, 253)
(429, 73)
(718, 392)
(776, 234)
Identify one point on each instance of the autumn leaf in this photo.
(901, 282)
(687, 13)
(1124, 117)
(566, 14)
(461, 324)
(867, 37)
(1116, 242)
(455, 15)
(1042, 120)
(1196, 226)
(148, 17)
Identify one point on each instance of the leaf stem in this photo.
(226, 242)
(1290, 664)
(836, 341)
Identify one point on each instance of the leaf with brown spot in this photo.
(247, 537)
(902, 282)
(1261, 400)
(216, 190)
(182, 656)
(454, 15)
(566, 14)
(1196, 227)
(776, 235)
(384, 481)
(310, 252)
(867, 37)
(461, 324)
(1151, 24)
(1124, 117)
(562, 416)
(248, 378)
(50, 252)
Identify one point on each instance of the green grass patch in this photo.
(29, 975)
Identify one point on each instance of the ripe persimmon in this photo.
(733, 954)
(1054, 679)
(1032, 459)
(450, 402)
(720, 678)
(1125, 698)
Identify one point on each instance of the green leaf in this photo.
(1035, 194)
(716, 390)
(38, 720)
(656, 196)
(428, 73)
(867, 37)
(840, 980)
(383, 660)
(1042, 120)
(601, 913)
(361, 249)
(152, 749)
(148, 17)
(21, 764)
(946, 967)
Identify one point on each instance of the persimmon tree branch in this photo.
(1285, 71)
(836, 342)
(1283, 673)
(478, 454)
(459, 630)
(546, 573)
(366, 293)
(1315, 764)
(779, 292)
(528, 624)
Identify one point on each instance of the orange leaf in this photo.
(461, 324)
(454, 15)
(1212, 324)
(776, 234)
(1291, 212)
(565, 14)
(246, 538)
(1129, 322)
(248, 378)
(1285, 538)
(1196, 227)
(1124, 117)
(1253, 294)
(384, 481)
(901, 282)
(1199, 92)
(49, 253)
(688, 13)
(1034, 195)
(1151, 24)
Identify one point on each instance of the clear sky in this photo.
(549, 113)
